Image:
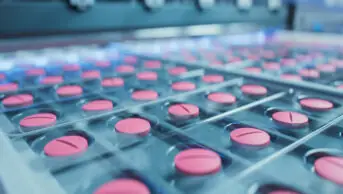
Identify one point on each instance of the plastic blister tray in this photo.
(140, 124)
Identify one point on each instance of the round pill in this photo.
(190, 59)
(271, 66)
(66, 146)
(292, 119)
(250, 137)
(213, 78)
(183, 86)
(292, 77)
(288, 62)
(222, 98)
(197, 162)
(330, 168)
(268, 54)
(152, 64)
(338, 63)
(112, 82)
(18, 100)
(283, 192)
(253, 69)
(98, 105)
(147, 76)
(91, 74)
(144, 95)
(103, 64)
(71, 67)
(177, 70)
(123, 186)
(130, 59)
(51, 80)
(234, 59)
(125, 69)
(304, 58)
(134, 126)
(69, 90)
(327, 68)
(2, 76)
(309, 73)
(254, 90)
(316, 104)
(38, 120)
(35, 72)
(8, 87)
(216, 62)
(183, 110)
(253, 57)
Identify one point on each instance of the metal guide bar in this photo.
(224, 84)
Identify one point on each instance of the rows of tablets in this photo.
(315, 63)
(295, 63)
(188, 141)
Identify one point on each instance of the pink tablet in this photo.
(103, 64)
(183, 86)
(66, 146)
(213, 78)
(123, 186)
(144, 95)
(2, 76)
(316, 104)
(134, 126)
(248, 136)
(234, 59)
(283, 192)
(177, 70)
(330, 168)
(35, 72)
(18, 100)
(272, 66)
(254, 90)
(69, 90)
(291, 119)
(130, 59)
(112, 82)
(327, 68)
(8, 87)
(71, 67)
(93, 74)
(309, 73)
(147, 76)
(125, 69)
(38, 120)
(222, 98)
(98, 105)
(152, 64)
(183, 110)
(52, 80)
(292, 77)
(197, 162)
(288, 62)
(253, 70)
